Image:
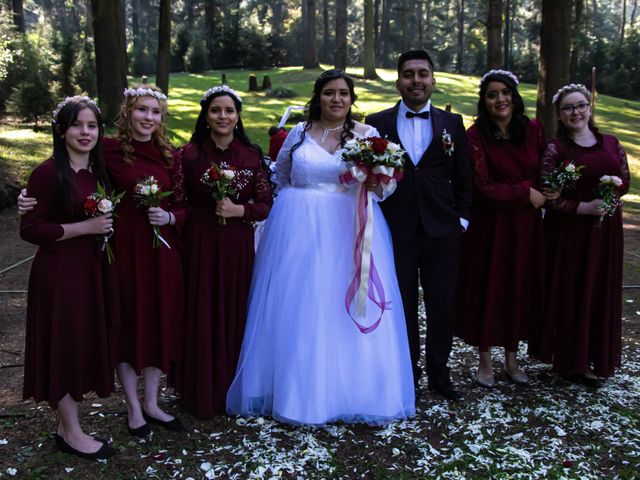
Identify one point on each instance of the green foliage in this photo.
(84, 72)
(196, 57)
(32, 97)
(11, 52)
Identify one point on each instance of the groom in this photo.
(428, 211)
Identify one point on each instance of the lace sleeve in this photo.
(178, 202)
(550, 160)
(262, 196)
(625, 176)
(283, 162)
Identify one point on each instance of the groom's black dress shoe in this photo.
(446, 390)
(174, 425)
(106, 451)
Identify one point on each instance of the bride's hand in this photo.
(226, 208)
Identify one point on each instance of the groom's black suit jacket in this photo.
(437, 191)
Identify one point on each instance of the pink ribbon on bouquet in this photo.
(366, 282)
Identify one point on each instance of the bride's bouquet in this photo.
(380, 162)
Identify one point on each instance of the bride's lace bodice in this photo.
(312, 164)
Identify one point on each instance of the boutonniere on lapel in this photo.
(447, 144)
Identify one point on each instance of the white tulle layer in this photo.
(303, 359)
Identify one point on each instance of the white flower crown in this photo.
(74, 99)
(572, 87)
(506, 73)
(144, 92)
(223, 88)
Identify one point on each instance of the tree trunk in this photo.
(310, 50)
(555, 41)
(575, 50)
(459, 65)
(111, 57)
(18, 15)
(325, 31)
(494, 29)
(507, 33)
(164, 46)
(210, 14)
(384, 32)
(376, 28)
(419, 15)
(405, 27)
(623, 20)
(277, 20)
(632, 18)
(340, 55)
(369, 50)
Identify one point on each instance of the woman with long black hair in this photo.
(219, 248)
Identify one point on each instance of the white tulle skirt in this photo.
(303, 359)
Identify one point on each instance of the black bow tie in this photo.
(424, 115)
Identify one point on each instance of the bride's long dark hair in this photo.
(314, 109)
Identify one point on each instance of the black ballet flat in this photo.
(593, 383)
(143, 431)
(174, 425)
(106, 451)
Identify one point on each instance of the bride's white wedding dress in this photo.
(303, 359)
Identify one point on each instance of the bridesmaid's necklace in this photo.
(325, 134)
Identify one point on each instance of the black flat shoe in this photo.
(594, 383)
(106, 451)
(174, 425)
(143, 431)
(446, 391)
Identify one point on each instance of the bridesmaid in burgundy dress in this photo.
(584, 248)
(219, 257)
(501, 281)
(151, 287)
(69, 317)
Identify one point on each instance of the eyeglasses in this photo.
(569, 109)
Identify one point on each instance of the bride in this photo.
(303, 359)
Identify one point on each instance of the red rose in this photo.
(567, 464)
(214, 175)
(90, 205)
(379, 145)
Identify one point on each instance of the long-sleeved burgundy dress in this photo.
(584, 263)
(150, 279)
(500, 290)
(219, 263)
(72, 303)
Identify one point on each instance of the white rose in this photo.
(605, 179)
(105, 205)
(145, 190)
(570, 167)
(154, 188)
(228, 174)
(616, 181)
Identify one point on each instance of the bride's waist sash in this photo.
(324, 187)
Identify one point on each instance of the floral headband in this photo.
(74, 99)
(223, 88)
(506, 73)
(144, 92)
(572, 87)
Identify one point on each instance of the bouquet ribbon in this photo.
(366, 282)
(157, 237)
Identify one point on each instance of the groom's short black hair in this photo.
(414, 55)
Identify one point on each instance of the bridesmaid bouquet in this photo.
(565, 176)
(147, 193)
(100, 203)
(225, 182)
(380, 161)
(608, 189)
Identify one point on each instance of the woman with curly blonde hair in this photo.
(152, 300)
